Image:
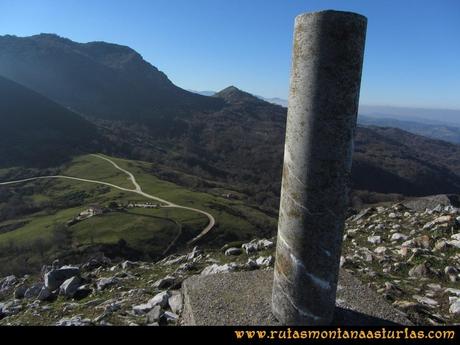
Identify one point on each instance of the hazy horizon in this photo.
(412, 58)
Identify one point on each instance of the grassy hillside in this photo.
(33, 216)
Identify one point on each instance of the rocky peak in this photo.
(234, 95)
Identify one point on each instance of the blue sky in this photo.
(412, 51)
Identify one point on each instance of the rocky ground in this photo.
(100, 292)
(412, 258)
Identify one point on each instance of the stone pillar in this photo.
(323, 104)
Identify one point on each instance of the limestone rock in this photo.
(45, 294)
(455, 307)
(374, 239)
(265, 261)
(175, 302)
(54, 278)
(419, 271)
(215, 268)
(69, 287)
(160, 299)
(165, 282)
(104, 283)
(74, 321)
(250, 247)
(153, 316)
(398, 237)
(33, 291)
(170, 317)
(233, 251)
(128, 264)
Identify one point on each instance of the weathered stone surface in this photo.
(398, 237)
(165, 282)
(74, 321)
(142, 308)
(265, 261)
(244, 298)
(455, 307)
(175, 302)
(128, 264)
(160, 299)
(170, 317)
(215, 268)
(70, 287)
(104, 283)
(233, 251)
(55, 277)
(374, 239)
(250, 247)
(153, 315)
(45, 294)
(420, 271)
(8, 281)
(82, 292)
(33, 291)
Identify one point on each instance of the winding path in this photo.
(137, 190)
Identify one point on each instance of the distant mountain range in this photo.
(448, 117)
(413, 120)
(436, 131)
(135, 111)
(97, 79)
(274, 100)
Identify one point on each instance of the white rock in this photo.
(175, 302)
(128, 264)
(454, 243)
(453, 291)
(455, 237)
(54, 278)
(380, 250)
(153, 315)
(455, 307)
(8, 282)
(252, 264)
(142, 308)
(74, 321)
(164, 282)
(425, 300)
(215, 268)
(195, 252)
(233, 251)
(265, 261)
(374, 239)
(250, 247)
(434, 287)
(170, 316)
(264, 244)
(69, 287)
(160, 299)
(398, 237)
(104, 283)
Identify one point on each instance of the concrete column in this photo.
(323, 104)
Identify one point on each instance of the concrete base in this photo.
(244, 298)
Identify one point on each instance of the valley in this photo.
(179, 217)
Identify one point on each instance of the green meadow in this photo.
(146, 231)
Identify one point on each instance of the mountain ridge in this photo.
(38, 132)
(97, 79)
